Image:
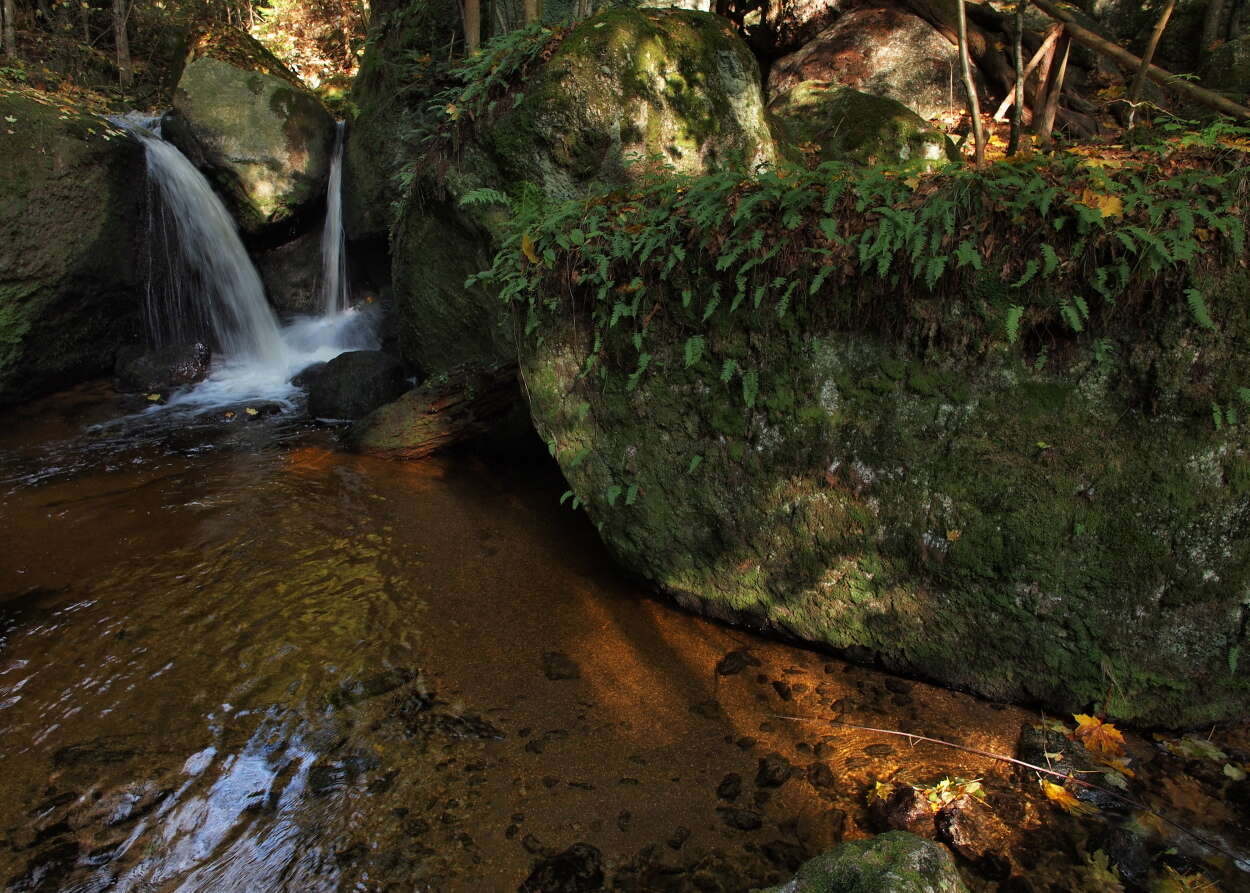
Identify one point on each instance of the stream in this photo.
(233, 657)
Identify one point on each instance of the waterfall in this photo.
(333, 246)
(209, 279)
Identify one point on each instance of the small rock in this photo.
(783, 690)
(820, 776)
(746, 742)
(774, 771)
(678, 838)
(730, 787)
(579, 869)
(878, 750)
(736, 661)
(898, 686)
(784, 854)
(742, 819)
(623, 820)
(557, 665)
(904, 809)
(708, 710)
(532, 845)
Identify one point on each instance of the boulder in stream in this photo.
(355, 383)
(164, 368)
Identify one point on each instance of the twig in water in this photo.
(1238, 861)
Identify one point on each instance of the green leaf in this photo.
(1014, 314)
(613, 493)
(1198, 307)
(727, 369)
(694, 349)
(695, 462)
(631, 494)
(566, 496)
(750, 388)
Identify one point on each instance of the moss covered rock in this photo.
(263, 141)
(1073, 533)
(70, 226)
(1227, 69)
(896, 862)
(840, 124)
(627, 85)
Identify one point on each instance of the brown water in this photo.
(233, 658)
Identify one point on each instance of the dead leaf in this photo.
(1099, 737)
(1107, 205)
(1064, 799)
(527, 248)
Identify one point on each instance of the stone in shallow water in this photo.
(355, 383)
(558, 665)
(889, 863)
(774, 771)
(579, 869)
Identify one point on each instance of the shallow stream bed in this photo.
(233, 657)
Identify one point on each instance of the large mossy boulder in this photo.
(626, 87)
(1072, 531)
(262, 139)
(71, 221)
(835, 123)
(1227, 69)
(883, 51)
(896, 862)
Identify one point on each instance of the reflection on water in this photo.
(232, 658)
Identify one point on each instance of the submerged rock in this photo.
(71, 225)
(355, 383)
(896, 862)
(579, 869)
(263, 140)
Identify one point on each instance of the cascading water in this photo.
(208, 259)
(333, 245)
(203, 284)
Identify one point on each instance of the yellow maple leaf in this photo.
(1107, 205)
(527, 248)
(1098, 737)
(1063, 798)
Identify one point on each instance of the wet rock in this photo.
(164, 369)
(708, 709)
(678, 838)
(623, 820)
(356, 690)
(558, 665)
(578, 869)
(785, 854)
(746, 742)
(307, 376)
(736, 661)
(534, 846)
(903, 809)
(466, 726)
(539, 743)
(969, 828)
(774, 771)
(783, 690)
(741, 819)
(1129, 853)
(1053, 749)
(898, 686)
(820, 830)
(117, 806)
(730, 787)
(355, 383)
(878, 750)
(820, 776)
(889, 863)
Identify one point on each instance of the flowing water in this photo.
(333, 241)
(235, 658)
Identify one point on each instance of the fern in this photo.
(1198, 307)
(1015, 313)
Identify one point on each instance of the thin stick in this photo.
(1128, 801)
(1139, 79)
(1052, 34)
(1017, 119)
(974, 104)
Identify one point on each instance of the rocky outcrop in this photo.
(70, 227)
(264, 141)
(896, 862)
(625, 86)
(883, 51)
(291, 274)
(825, 122)
(1070, 533)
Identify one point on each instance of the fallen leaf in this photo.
(1098, 737)
(1064, 799)
(1107, 205)
(154, 398)
(251, 411)
(527, 248)
(1236, 773)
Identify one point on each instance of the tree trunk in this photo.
(472, 25)
(533, 11)
(974, 105)
(1139, 79)
(10, 29)
(1211, 24)
(1017, 117)
(1155, 73)
(84, 15)
(1046, 123)
(125, 76)
(1052, 35)
(984, 49)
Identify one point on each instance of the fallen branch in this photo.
(1098, 44)
(1052, 34)
(1239, 861)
